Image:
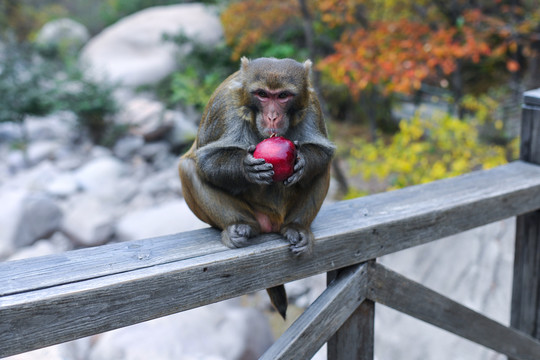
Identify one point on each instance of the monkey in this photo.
(228, 188)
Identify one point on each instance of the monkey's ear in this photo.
(244, 61)
(307, 68)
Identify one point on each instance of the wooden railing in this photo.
(57, 298)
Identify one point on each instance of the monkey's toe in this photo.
(300, 240)
(237, 235)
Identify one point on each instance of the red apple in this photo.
(279, 152)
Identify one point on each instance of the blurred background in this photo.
(99, 99)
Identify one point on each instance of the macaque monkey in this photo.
(226, 187)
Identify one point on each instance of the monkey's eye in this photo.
(284, 95)
(261, 93)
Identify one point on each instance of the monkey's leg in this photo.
(217, 208)
(300, 215)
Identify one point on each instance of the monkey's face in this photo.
(273, 106)
(276, 88)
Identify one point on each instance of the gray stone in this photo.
(221, 331)
(474, 268)
(184, 129)
(132, 51)
(128, 146)
(89, 221)
(64, 35)
(100, 174)
(10, 131)
(25, 217)
(42, 150)
(58, 126)
(146, 118)
(63, 185)
(165, 219)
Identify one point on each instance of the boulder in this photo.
(128, 146)
(100, 174)
(64, 185)
(132, 51)
(169, 218)
(62, 35)
(89, 221)
(221, 331)
(58, 126)
(26, 217)
(146, 118)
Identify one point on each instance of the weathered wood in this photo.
(68, 296)
(391, 289)
(315, 326)
(525, 313)
(356, 337)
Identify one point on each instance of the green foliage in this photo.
(32, 85)
(425, 150)
(198, 74)
(94, 105)
(26, 87)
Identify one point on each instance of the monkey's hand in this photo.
(299, 167)
(257, 171)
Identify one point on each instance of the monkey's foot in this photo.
(237, 235)
(301, 239)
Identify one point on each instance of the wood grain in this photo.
(391, 289)
(525, 313)
(326, 315)
(64, 297)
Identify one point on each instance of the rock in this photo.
(221, 331)
(89, 221)
(183, 132)
(40, 248)
(146, 118)
(10, 131)
(128, 146)
(42, 150)
(155, 150)
(71, 350)
(164, 182)
(474, 268)
(165, 219)
(132, 52)
(40, 218)
(58, 126)
(63, 185)
(100, 174)
(62, 35)
(26, 217)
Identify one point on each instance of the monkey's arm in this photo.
(232, 169)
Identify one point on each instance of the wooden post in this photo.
(525, 314)
(355, 339)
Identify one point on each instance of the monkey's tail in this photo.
(278, 298)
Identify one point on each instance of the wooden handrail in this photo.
(56, 298)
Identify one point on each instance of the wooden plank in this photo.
(84, 264)
(532, 97)
(347, 233)
(525, 313)
(355, 339)
(391, 289)
(315, 326)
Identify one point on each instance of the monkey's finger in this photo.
(251, 161)
(300, 163)
(251, 148)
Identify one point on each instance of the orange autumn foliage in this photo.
(399, 55)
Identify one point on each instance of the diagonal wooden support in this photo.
(389, 288)
(323, 318)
